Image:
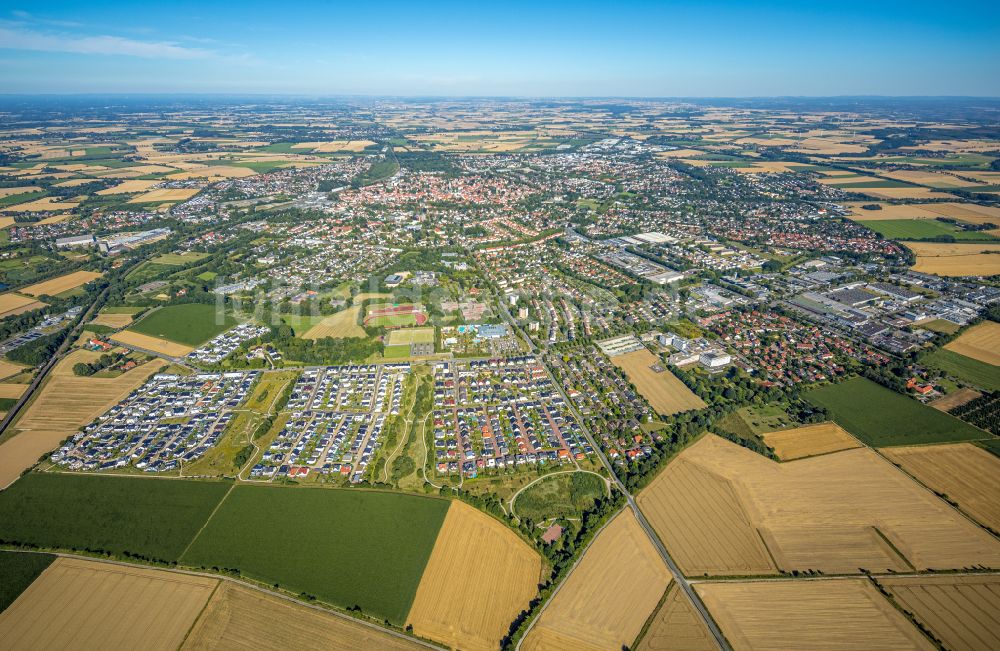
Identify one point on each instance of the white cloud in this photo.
(17, 38)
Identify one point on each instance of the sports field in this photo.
(961, 611)
(343, 324)
(809, 441)
(407, 336)
(724, 510)
(154, 518)
(881, 417)
(191, 324)
(972, 371)
(677, 626)
(981, 342)
(831, 614)
(238, 617)
(388, 315)
(61, 284)
(346, 547)
(479, 577)
(665, 393)
(608, 596)
(967, 474)
(80, 604)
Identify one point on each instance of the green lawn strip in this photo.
(345, 547)
(150, 518)
(881, 417)
(191, 324)
(17, 571)
(965, 368)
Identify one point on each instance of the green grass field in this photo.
(563, 495)
(179, 259)
(189, 323)
(345, 547)
(965, 368)
(919, 229)
(122, 309)
(17, 571)
(398, 320)
(396, 352)
(154, 518)
(882, 418)
(408, 336)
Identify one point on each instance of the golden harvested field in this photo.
(6, 192)
(42, 205)
(128, 187)
(335, 145)
(704, 524)
(947, 259)
(833, 513)
(12, 390)
(955, 399)
(11, 304)
(112, 320)
(930, 179)
(168, 195)
(90, 605)
(238, 617)
(154, 344)
(961, 611)
(64, 404)
(665, 393)
(966, 473)
(827, 614)
(677, 627)
(904, 193)
(8, 369)
(810, 441)
(893, 211)
(214, 173)
(608, 596)
(479, 577)
(342, 324)
(981, 342)
(61, 284)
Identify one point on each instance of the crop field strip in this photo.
(665, 393)
(153, 344)
(479, 577)
(608, 596)
(836, 513)
(828, 614)
(981, 342)
(87, 604)
(809, 441)
(963, 611)
(676, 626)
(240, 617)
(61, 284)
(967, 474)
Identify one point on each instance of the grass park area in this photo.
(179, 259)
(190, 323)
(346, 547)
(17, 571)
(153, 518)
(881, 417)
(964, 368)
(561, 495)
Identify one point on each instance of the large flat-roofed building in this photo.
(75, 241)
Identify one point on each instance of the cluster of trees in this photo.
(107, 360)
(38, 351)
(325, 351)
(983, 412)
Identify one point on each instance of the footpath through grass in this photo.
(346, 547)
(881, 417)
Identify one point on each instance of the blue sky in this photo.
(538, 48)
